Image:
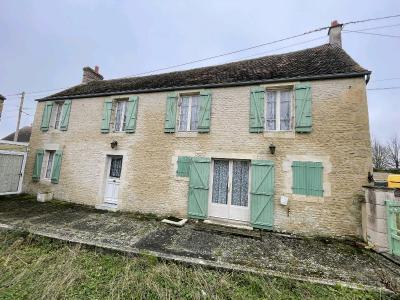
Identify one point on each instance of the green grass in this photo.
(32, 267)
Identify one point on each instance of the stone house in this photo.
(278, 142)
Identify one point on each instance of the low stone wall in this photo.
(374, 216)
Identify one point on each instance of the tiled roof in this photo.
(313, 63)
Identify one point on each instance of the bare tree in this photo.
(393, 149)
(379, 155)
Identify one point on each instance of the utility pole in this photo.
(21, 104)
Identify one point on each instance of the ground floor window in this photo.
(308, 178)
(48, 166)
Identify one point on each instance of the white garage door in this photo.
(12, 166)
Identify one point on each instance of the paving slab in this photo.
(323, 260)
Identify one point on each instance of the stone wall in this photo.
(374, 217)
(340, 139)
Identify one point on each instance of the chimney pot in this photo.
(91, 75)
(335, 33)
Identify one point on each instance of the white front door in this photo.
(230, 190)
(113, 180)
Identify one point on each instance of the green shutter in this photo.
(183, 166)
(199, 173)
(205, 112)
(107, 110)
(65, 115)
(257, 100)
(262, 194)
(131, 114)
(308, 178)
(303, 107)
(55, 174)
(44, 126)
(37, 168)
(170, 113)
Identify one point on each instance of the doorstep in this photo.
(228, 228)
(108, 207)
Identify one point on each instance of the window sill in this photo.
(181, 178)
(280, 134)
(309, 199)
(186, 134)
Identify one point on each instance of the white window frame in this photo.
(46, 164)
(189, 114)
(123, 115)
(58, 108)
(278, 109)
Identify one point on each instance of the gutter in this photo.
(213, 85)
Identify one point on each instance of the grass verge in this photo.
(33, 267)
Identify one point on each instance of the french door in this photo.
(230, 190)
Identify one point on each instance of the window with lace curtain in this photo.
(120, 115)
(278, 110)
(188, 108)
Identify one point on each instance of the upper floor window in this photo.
(188, 113)
(278, 112)
(120, 115)
(57, 110)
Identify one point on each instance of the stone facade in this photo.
(340, 139)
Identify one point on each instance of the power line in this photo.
(371, 33)
(241, 50)
(384, 88)
(379, 27)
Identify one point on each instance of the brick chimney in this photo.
(335, 33)
(91, 75)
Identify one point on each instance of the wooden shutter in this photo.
(65, 115)
(55, 174)
(205, 112)
(170, 113)
(303, 107)
(199, 173)
(37, 167)
(183, 166)
(131, 114)
(257, 103)
(308, 178)
(44, 126)
(107, 110)
(262, 194)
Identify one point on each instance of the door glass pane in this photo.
(183, 113)
(194, 118)
(240, 183)
(115, 167)
(285, 109)
(220, 182)
(270, 120)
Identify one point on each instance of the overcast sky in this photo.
(45, 44)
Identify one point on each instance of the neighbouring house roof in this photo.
(24, 135)
(2, 97)
(325, 61)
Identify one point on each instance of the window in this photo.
(120, 115)
(278, 112)
(188, 113)
(57, 114)
(308, 178)
(49, 164)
